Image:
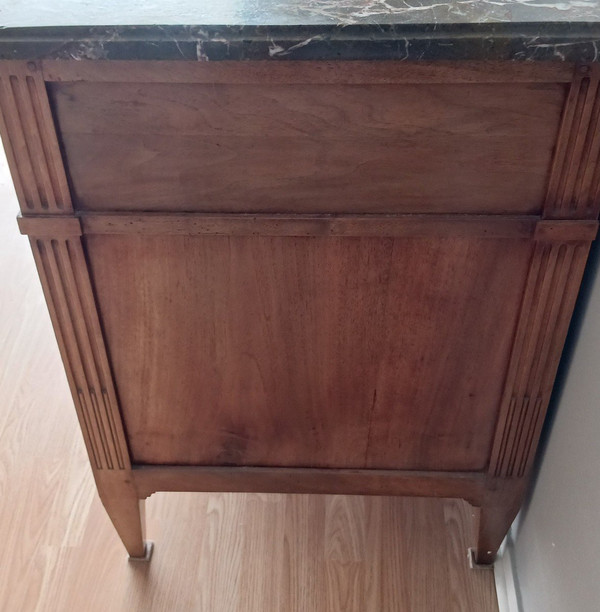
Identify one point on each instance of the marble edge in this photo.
(535, 41)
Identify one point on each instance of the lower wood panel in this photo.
(309, 351)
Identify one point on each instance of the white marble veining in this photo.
(213, 30)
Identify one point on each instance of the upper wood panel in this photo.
(470, 148)
(320, 351)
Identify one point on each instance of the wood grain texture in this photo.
(432, 148)
(125, 509)
(294, 73)
(49, 226)
(565, 230)
(554, 279)
(64, 276)
(458, 519)
(316, 352)
(574, 186)
(493, 518)
(265, 553)
(215, 552)
(30, 141)
(470, 486)
(338, 341)
(231, 224)
(65, 280)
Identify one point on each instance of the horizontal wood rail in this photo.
(390, 225)
(566, 230)
(53, 226)
(471, 486)
(290, 224)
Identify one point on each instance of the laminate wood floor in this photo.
(214, 552)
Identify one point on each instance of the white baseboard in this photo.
(506, 583)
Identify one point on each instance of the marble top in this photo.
(564, 30)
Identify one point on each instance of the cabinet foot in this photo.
(494, 518)
(473, 562)
(493, 525)
(148, 550)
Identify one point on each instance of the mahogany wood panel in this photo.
(329, 352)
(30, 141)
(476, 148)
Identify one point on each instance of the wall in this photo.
(557, 536)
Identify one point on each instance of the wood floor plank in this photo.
(304, 543)
(345, 552)
(214, 552)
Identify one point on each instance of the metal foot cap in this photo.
(477, 566)
(148, 549)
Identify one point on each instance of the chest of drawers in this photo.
(312, 277)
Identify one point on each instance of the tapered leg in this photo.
(127, 515)
(494, 519)
(493, 525)
(126, 511)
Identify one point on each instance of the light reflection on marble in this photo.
(210, 30)
(19, 13)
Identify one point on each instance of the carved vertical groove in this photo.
(64, 277)
(573, 189)
(554, 277)
(30, 140)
